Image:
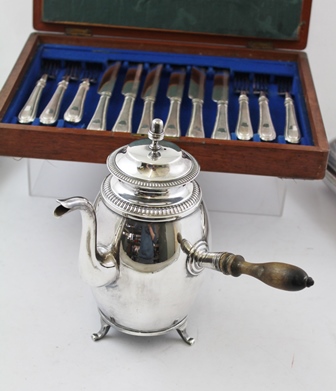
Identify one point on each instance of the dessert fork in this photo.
(244, 130)
(29, 110)
(266, 129)
(74, 113)
(292, 131)
(51, 112)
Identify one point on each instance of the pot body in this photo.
(153, 291)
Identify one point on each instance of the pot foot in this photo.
(102, 332)
(182, 330)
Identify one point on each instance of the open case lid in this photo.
(249, 23)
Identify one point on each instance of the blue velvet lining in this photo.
(212, 64)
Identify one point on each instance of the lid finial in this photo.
(156, 134)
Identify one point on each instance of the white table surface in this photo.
(248, 336)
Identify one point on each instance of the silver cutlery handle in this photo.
(147, 117)
(221, 129)
(28, 112)
(196, 123)
(74, 113)
(292, 130)
(98, 121)
(266, 129)
(50, 114)
(172, 126)
(244, 130)
(124, 120)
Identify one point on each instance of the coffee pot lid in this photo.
(152, 179)
(153, 163)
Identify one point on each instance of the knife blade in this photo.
(174, 93)
(148, 94)
(220, 95)
(196, 94)
(105, 89)
(130, 91)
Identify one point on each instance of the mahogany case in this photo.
(263, 52)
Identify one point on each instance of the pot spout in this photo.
(97, 266)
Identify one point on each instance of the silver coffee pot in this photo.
(144, 242)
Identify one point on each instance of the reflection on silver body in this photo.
(133, 301)
(124, 280)
(144, 241)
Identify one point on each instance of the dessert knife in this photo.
(174, 93)
(105, 89)
(130, 91)
(149, 95)
(220, 94)
(196, 94)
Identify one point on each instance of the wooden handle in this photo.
(278, 275)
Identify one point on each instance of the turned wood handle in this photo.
(278, 275)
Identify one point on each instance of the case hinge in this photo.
(268, 45)
(75, 31)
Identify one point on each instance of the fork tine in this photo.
(91, 72)
(284, 84)
(72, 70)
(49, 68)
(242, 82)
(260, 83)
(53, 69)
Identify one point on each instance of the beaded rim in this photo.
(115, 170)
(151, 212)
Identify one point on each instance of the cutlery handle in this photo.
(28, 112)
(266, 129)
(147, 117)
(98, 121)
(196, 123)
(172, 126)
(124, 120)
(50, 114)
(292, 130)
(74, 113)
(244, 130)
(221, 129)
